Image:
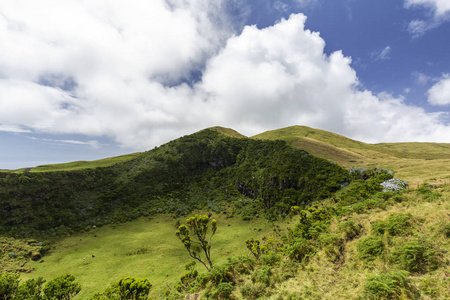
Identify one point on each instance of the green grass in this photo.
(142, 248)
(77, 165)
(414, 162)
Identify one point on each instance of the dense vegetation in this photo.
(334, 234)
(206, 169)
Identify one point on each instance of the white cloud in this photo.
(114, 69)
(439, 94)
(421, 79)
(382, 54)
(440, 7)
(440, 10)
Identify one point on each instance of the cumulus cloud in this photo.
(145, 72)
(439, 94)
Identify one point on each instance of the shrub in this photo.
(30, 290)
(62, 288)
(301, 249)
(222, 291)
(253, 291)
(445, 229)
(399, 224)
(390, 285)
(242, 264)
(8, 285)
(333, 245)
(262, 275)
(270, 259)
(350, 230)
(417, 256)
(218, 274)
(370, 247)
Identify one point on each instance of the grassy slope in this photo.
(77, 165)
(142, 248)
(413, 162)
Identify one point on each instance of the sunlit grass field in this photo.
(147, 247)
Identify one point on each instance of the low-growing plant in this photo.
(417, 256)
(371, 247)
(253, 291)
(333, 245)
(222, 291)
(397, 224)
(350, 229)
(301, 250)
(262, 275)
(389, 285)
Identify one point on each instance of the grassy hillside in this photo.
(318, 232)
(77, 165)
(414, 162)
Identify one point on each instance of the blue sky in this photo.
(87, 80)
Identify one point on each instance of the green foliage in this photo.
(222, 291)
(398, 224)
(333, 245)
(61, 288)
(389, 285)
(262, 275)
(127, 288)
(30, 290)
(427, 192)
(301, 249)
(195, 240)
(253, 291)
(255, 247)
(370, 247)
(188, 279)
(350, 230)
(203, 170)
(417, 256)
(8, 285)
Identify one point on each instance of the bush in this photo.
(253, 291)
(417, 256)
(62, 288)
(242, 264)
(301, 249)
(390, 285)
(222, 291)
(8, 285)
(333, 245)
(399, 224)
(262, 275)
(370, 247)
(350, 230)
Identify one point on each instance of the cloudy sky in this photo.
(83, 79)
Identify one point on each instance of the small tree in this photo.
(195, 240)
(62, 288)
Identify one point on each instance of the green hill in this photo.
(414, 162)
(205, 169)
(290, 225)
